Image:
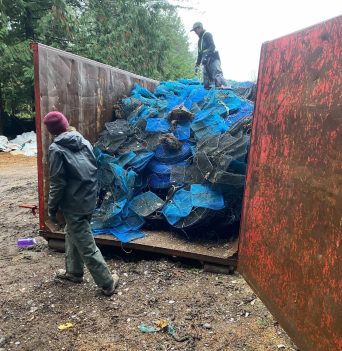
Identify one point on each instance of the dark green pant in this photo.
(80, 249)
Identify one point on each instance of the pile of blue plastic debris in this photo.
(176, 155)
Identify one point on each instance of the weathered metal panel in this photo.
(291, 236)
(167, 243)
(84, 90)
(39, 137)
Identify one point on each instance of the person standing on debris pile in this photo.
(73, 190)
(209, 57)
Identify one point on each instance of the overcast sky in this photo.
(240, 27)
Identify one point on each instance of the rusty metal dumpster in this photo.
(290, 248)
(85, 91)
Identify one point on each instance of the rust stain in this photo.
(290, 247)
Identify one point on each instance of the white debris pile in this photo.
(25, 144)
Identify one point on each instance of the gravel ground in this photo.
(208, 311)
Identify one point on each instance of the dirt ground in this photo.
(208, 311)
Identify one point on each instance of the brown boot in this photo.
(110, 291)
(62, 274)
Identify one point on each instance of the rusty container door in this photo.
(290, 247)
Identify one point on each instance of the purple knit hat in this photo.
(56, 123)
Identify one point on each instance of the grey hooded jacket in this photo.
(73, 175)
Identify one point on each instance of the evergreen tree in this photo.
(142, 36)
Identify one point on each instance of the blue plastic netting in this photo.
(158, 125)
(166, 156)
(190, 176)
(207, 196)
(178, 207)
(207, 124)
(140, 161)
(124, 159)
(146, 203)
(160, 176)
(182, 130)
(164, 168)
(159, 181)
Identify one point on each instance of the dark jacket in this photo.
(206, 49)
(73, 175)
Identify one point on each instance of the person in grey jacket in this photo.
(73, 191)
(209, 57)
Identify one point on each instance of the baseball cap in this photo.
(196, 25)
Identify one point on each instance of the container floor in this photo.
(216, 249)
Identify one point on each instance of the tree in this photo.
(180, 61)
(21, 23)
(142, 36)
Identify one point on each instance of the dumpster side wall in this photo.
(291, 233)
(82, 89)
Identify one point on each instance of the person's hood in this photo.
(71, 140)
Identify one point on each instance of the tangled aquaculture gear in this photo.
(180, 113)
(177, 153)
(170, 142)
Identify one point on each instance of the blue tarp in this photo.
(123, 237)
